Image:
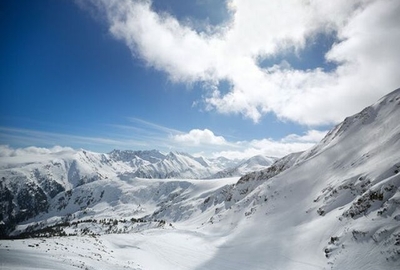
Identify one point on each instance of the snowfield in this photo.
(335, 206)
(152, 249)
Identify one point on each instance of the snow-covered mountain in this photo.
(31, 180)
(335, 206)
(154, 164)
(256, 163)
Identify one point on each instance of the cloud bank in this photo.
(273, 148)
(6, 151)
(217, 146)
(367, 34)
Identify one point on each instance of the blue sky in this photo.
(205, 77)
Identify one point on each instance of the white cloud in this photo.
(368, 33)
(274, 148)
(215, 146)
(6, 151)
(312, 136)
(208, 144)
(199, 137)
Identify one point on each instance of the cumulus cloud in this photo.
(199, 137)
(366, 54)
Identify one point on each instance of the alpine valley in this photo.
(334, 206)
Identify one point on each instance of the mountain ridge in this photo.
(30, 182)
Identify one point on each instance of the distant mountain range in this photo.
(29, 182)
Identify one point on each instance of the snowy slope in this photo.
(335, 206)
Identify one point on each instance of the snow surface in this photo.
(335, 206)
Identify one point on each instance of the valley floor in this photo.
(152, 249)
